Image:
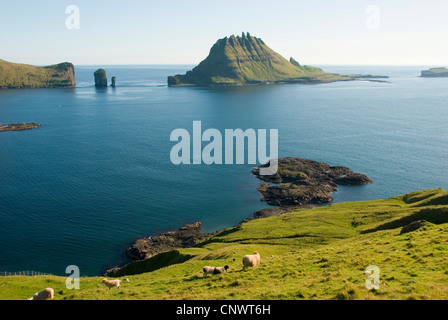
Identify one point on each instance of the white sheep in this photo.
(112, 283)
(45, 294)
(251, 260)
(211, 270)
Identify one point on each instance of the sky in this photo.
(344, 32)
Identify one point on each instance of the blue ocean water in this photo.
(97, 174)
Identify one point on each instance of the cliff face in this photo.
(14, 75)
(245, 60)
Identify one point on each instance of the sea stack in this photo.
(114, 79)
(100, 78)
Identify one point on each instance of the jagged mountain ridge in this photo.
(248, 60)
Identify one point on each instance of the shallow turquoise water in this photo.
(97, 174)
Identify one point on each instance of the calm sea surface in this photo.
(97, 174)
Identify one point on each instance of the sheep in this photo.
(211, 270)
(251, 260)
(45, 294)
(112, 283)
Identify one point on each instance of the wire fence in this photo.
(29, 273)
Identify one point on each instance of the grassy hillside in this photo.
(14, 75)
(435, 72)
(248, 60)
(319, 253)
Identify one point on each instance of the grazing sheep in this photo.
(112, 283)
(48, 293)
(251, 260)
(211, 270)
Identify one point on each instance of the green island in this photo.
(18, 76)
(435, 73)
(247, 60)
(319, 253)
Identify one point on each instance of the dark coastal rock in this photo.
(273, 212)
(18, 126)
(100, 78)
(185, 237)
(369, 76)
(301, 181)
(112, 272)
(413, 226)
(113, 82)
(292, 194)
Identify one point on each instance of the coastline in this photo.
(194, 232)
(298, 184)
(133, 234)
(292, 81)
(18, 126)
(36, 87)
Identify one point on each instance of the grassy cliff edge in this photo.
(319, 253)
(17, 76)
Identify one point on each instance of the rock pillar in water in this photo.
(100, 78)
(113, 82)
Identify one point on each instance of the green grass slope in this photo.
(319, 253)
(14, 75)
(435, 73)
(248, 60)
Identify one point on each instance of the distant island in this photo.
(18, 126)
(18, 76)
(435, 73)
(248, 60)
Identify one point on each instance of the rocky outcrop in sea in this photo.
(300, 181)
(100, 78)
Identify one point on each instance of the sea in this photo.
(97, 175)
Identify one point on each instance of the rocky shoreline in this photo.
(18, 126)
(298, 184)
(185, 237)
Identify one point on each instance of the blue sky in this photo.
(409, 32)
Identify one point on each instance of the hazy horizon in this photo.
(192, 65)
